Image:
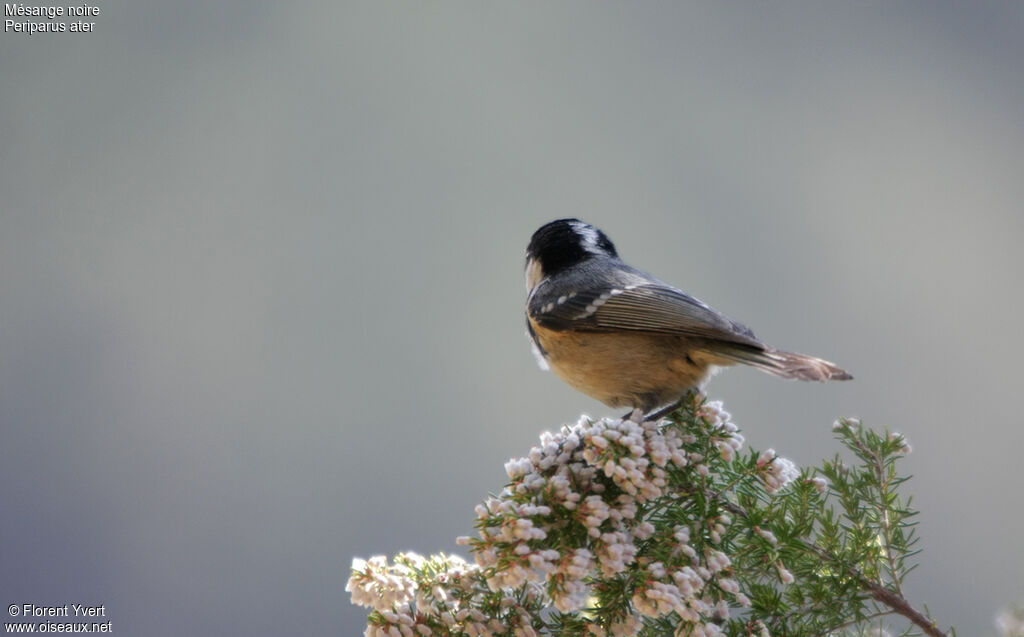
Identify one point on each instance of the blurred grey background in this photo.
(261, 273)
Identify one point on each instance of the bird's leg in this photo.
(668, 409)
(658, 414)
(637, 415)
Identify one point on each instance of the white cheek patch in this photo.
(533, 274)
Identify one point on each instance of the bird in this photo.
(628, 339)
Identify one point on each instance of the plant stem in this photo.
(896, 602)
(879, 592)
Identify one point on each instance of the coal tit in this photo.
(626, 338)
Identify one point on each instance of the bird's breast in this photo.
(624, 369)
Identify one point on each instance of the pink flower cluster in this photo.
(587, 482)
(575, 516)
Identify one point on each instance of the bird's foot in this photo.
(658, 414)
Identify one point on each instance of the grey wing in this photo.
(648, 307)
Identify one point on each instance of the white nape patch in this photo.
(589, 235)
(537, 354)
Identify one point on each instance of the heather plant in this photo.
(621, 527)
(1010, 622)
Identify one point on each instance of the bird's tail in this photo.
(790, 365)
